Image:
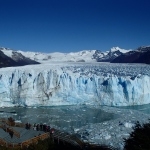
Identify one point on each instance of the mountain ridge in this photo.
(140, 55)
(15, 59)
(114, 55)
(81, 56)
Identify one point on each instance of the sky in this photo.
(74, 25)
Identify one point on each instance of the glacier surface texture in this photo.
(80, 83)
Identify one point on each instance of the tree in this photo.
(140, 138)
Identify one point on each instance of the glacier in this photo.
(75, 84)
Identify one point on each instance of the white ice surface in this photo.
(75, 83)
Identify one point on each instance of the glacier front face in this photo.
(80, 83)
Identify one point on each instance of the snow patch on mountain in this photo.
(114, 49)
(82, 56)
(7, 52)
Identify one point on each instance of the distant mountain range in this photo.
(10, 57)
(81, 56)
(141, 55)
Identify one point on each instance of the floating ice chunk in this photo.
(76, 130)
(18, 121)
(97, 137)
(128, 125)
(139, 75)
(107, 137)
(14, 114)
(64, 128)
(67, 120)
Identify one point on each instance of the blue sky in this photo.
(74, 25)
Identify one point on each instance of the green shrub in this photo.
(140, 138)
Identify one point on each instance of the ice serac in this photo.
(51, 86)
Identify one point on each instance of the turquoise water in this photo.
(64, 117)
(144, 108)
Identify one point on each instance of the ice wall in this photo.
(54, 86)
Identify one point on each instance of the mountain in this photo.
(112, 54)
(6, 61)
(140, 55)
(81, 56)
(10, 58)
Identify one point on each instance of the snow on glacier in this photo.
(75, 83)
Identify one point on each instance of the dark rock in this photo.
(17, 60)
(141, 55)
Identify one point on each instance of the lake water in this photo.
(144, 108)
(63, 117)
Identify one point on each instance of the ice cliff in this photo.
(98, 84)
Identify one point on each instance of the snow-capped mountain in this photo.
(140, 55)
(9, 58)
(81, 56)
(115, 49)
(143, 48)
(6, 61)
(112, 54)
